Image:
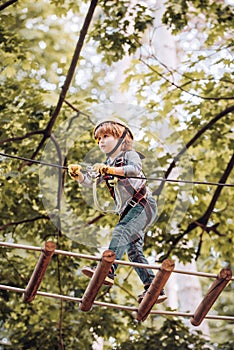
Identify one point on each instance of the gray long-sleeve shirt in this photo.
(132, 165)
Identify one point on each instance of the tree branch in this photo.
(20, 138)
(202, 221)
(218, 190)
(78, 111)
(172, 83)
(205, 218)
(69, 76)
(6, 4)
(199, 246)
(15, 223)
(191, 142)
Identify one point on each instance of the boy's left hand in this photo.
(104, 169)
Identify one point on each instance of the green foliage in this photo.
(37, 44)
(218, 14)
(198, 97)
(171, 336)
(119, 28)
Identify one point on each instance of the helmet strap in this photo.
(118, 143)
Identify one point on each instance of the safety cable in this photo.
(33, 161)
(97, 258)
(132, 177)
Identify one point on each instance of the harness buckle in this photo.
(120, 161)
(113, 182)
(133, 203)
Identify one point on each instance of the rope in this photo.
(119, 262)
(116, 306)
(33, 161)
(132, 177)
(98, 206)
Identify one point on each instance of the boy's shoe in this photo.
(162, 297)
(89, 271)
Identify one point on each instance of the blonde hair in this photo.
(116, 130)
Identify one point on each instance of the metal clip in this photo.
(132, 203)
(92, 173)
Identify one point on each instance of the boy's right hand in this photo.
(74, 171)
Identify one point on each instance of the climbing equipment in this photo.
(114, 121)
(138, 196)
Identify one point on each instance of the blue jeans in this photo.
(128, 235)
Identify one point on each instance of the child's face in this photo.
(107, 143)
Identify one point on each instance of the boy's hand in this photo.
(104, 169)
(74, 172)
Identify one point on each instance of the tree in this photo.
(41, 97)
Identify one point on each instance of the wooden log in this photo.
(214, 291)
(154, 290)
(39, 271)
(97, 280)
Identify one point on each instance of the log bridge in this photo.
(101, 271)
(103, 267)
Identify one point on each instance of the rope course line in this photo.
(208, 183)
(32, 161)
(97, 258)
(115, 306)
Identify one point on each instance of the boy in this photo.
(136, 207)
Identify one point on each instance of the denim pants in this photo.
(128, 235)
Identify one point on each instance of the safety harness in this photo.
(138, 196)
(112, 182)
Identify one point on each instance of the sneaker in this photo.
(89, 271)
(162, 297)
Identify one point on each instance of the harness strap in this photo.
(138, 196)
(120, 161)
(118, 143)
(109, 179)
(142, 202)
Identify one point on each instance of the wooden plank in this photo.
(39, 271)
(214, 291)
(97, 280)
(154, 290)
